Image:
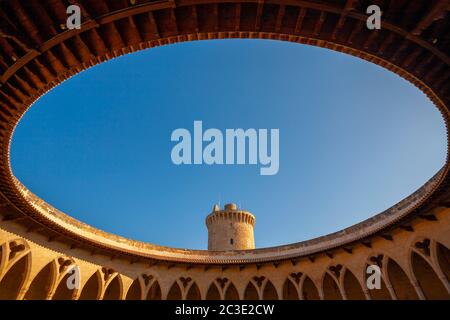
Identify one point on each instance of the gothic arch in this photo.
(135, 290)
(14, 278)
(174, 292)
(352, 287)
(427, 278)
(269, 292)
(113, 290)
(378, 294)
(93, 287)
(63, 269)
(41, 286)
(289, 290)
(193, 293)
(309, 290)
(381, 260)
(443, 257)
(11, 253)
(154, 293)
(250, 292)
(231, 293)
(400, 281)
(213, 292)
(62, 291)
(330, 288)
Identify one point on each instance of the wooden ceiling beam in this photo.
(26, 22)
(3, 64)
(259, 13)
(280, 16)
(47, 73)
(443, 79)
(134, 28)
(165, 4)
(153, 24)
(59, 10)
(319, 23)
(424, 64)
(39, 10)
(356, 29)
(26, 85)
(237, 17)
(349, 6)
(403, 45)
(173, 18)
(36, 79)
(195, 18)
(385, 43)
(411, 57)
(84, 45)
(299, 21)
(437, 11)
(100, 41)
(19, 42)
(216, 16)
(116, 32)
(56, 62)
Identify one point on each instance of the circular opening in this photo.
(354, 140)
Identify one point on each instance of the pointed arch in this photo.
(154, 293)
(427, 278)
(309, 290)
(231, 293)
(14, 279)
(1, 258)
(378, 294)
(352, 287)
(135, 291)
(194, 293)
(174, 292)
(443, 256)
(63, 292)
(400, 282)
(330, 288)
(250, 292)
(92, 288)
(270, 293)
(113, 291)
(289, 290)
(41, 285)
(213, 292)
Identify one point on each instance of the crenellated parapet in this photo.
(230, 213)
(230, 229)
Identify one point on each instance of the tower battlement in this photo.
(230, 229)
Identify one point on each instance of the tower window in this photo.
(231, 241)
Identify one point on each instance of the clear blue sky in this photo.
(354, 140)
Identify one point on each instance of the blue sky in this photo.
(354, 140)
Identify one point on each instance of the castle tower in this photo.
(230, 229)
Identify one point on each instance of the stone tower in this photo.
(230, 229)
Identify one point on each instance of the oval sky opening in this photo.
(354, 140)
